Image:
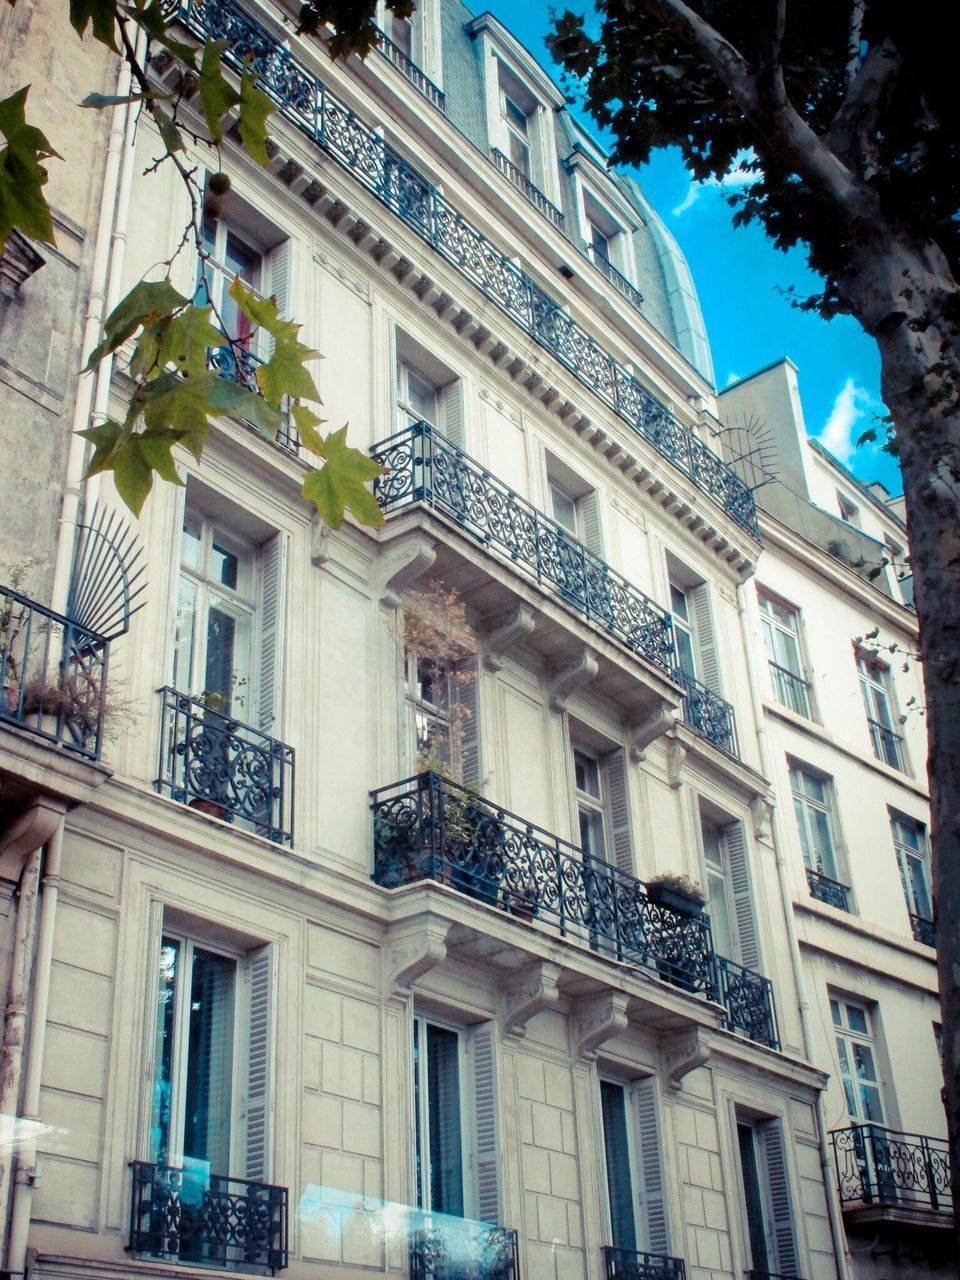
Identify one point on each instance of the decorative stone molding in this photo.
(18, 262)
(30, 829)
(413, 955)
(676, 759)
(642, 732)
(569, 679)
(326, 260)
(513, 627)
(599, 1019)
(403, 564)
(536, 991)
(761, 810)
(683, 1053)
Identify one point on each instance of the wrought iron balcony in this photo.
(617, 279)
(877, 1166)
(240, 366)
(408, 68)
(527, 188)
(625, 1264)
(922, 930)
(768, 1275)
(791, 690)
(204, 1219)
(747, 999)
(212, 762)
(462, 1249)
(832, 892)
(887, 745)
(53, 675)
(706, 712)
(422, 466)
(310, 107)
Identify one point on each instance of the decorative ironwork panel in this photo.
(706, 712)
(421, 465)
(768, 1275)
(625, 1264)
(887, 745)
(200, 1218)
(880, 1166)
(922, 930)
(791, 690)
(747, 999)
(240, 366)
(526, 188)
(408, 68)
(53, 675)
(213, 762)
(826, 890)
(462, 1249)
(306, 102)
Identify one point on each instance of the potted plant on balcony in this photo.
(215, 725)
(677, 892)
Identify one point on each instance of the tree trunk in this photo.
(905, 296)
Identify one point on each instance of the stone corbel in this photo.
(413, 955)
(676, 759)
(512, 628)
(643, 732)
(402, 565)
(761, 810)
(30, 829)
(536, 991)
(569, 679)
(683, 1053)
(599, 1019)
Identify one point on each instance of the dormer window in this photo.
(518, 132)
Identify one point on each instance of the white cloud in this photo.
(737, 178)
(841, 430)
(732, 378)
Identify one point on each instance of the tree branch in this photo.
(857, 11)
(770, 65)
(852, 132)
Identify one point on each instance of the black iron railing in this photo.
(791, 690)
(408, 68)
(429, 828)
(464, 1248)
(240, 366)
(626, 1264)
(769, 1275)
(922, 930)
(832, 892)
(199, 1218)
(213, 762)
(706, 712)
(880, 1166)
(306, 102)
(526, 188)
(887, 745)
(617, 279)
(422, 466)
(53, 675)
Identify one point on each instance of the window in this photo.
(401, 32)
(517, 110)
(767, 1208)
(590, 807)
(236, 253)
(913, 862)
(442, 730)
(781, 636)
(874, 685)
(849, 511)
(428, 392)
(813, 807)
(212, 1038)
(856, 1055)
(454, 1081)
(730, 898)
(600, 799)
(633, 1165)
(694, 640)
(574, 505)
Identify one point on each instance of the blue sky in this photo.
(739, 276)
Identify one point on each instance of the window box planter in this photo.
(676, 899)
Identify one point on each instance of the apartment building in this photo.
(345, 925)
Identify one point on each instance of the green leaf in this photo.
(155, 448)
(217, 95)
(187, 340)
(146, 303)
(255, 106)
(102, 14)
(229, 400)
(22, 176)
(339, 486)
(132, 474)
(307, 423)
(99, 100)
(105, 439)
(283, 374)
(182, 405)
(170, 135)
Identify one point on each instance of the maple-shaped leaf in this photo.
(102, 14)
(105, 437)
(144, 304)
(228, 399)
(340, 484)
(22, 176)
(152, 18)
(170, 402)
(284, 373)
(187, 340)
(307, 422)
(255, 106)
(217, 94)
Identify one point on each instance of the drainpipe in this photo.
(26, 1165)
(752, 647)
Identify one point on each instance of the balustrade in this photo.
(617, 279)
(922, 930)
(880, 1166)
(454, 1248)
(627, 1264)
(826, 890)
(791, 690)
(239, 365)
(706, 712)
(747, 999)
(887, 745)
(527, 188)
(409, 69)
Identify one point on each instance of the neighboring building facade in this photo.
(340, 947)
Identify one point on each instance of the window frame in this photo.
(853, 1037)
(879, 701)
(905, 852)
(799, 699)
(776, 1237)
(828, 807)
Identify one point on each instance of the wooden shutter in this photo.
(774, 1156)
(259, 1055)
(588, 508)
(705, 637)
(618, 809)
(486, 1162)
(467, 695)
(451, 412)
(277, 282)
(735, 848)
(273, 564)
(647, 1106)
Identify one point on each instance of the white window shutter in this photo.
(589, 510)
(486, 1156)
(705, 637)
(647, 1106)
(179, 512)
(259, 1055)
(451, 412)
(618, 809)
(467, 695)
(784, 1239)
(277, 284)
(734, 843)
(273, 565)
